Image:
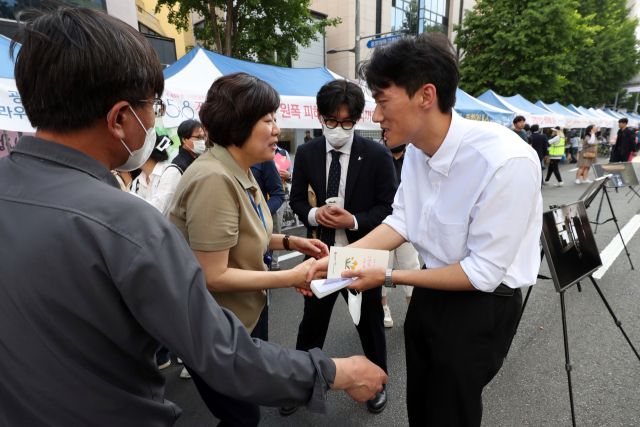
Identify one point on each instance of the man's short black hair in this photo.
(336, 93)
(527, 127)
(535, 128)
(518, 119)
(75, 64)
(234, 104)
(185, 130)
(623, 120)
(412, 62)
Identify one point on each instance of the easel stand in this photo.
(565, 334)
(568, 366)
(631, 189)
(613, 218)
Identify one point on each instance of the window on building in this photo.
(420, 16)
(146, 30)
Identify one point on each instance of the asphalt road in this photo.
(531, 389)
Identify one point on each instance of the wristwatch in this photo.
(387, 279)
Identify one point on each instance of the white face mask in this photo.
(139, 157)
(338, 137)
(198, 146)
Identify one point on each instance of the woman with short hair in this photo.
(220, 210)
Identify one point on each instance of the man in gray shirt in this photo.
(91, 278)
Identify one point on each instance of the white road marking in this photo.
(571, 170)
(613, 249)
(293, 255)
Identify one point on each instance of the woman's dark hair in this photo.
(534, 128)
(234, 104)
(518, 119)
(160, 155)
(75, 64)
(412, 62)
(185, 130)
(587, 131)
(337, 93)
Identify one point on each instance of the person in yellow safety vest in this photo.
(556, 151)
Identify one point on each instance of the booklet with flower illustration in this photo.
(343, 259)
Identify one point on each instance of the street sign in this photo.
(381, 42)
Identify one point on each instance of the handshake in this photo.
(356, 375)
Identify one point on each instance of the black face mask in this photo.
(399, 149)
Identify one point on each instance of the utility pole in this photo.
(356, 50)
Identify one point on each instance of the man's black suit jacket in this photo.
(369, 190)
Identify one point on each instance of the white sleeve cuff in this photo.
(355, 224)
(311, 219)
(483, 276)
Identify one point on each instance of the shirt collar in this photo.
(441, 161)
(65, 156)
(157, 169)
(345, 149)
(225, 157)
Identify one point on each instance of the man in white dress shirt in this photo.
(470, 203)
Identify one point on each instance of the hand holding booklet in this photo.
(343, 259)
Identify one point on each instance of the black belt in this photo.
(503, 291)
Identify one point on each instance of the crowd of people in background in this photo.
(553, 148)
(138, 255)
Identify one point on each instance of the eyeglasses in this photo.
(158, 106)
(199, 138)
(332, 124)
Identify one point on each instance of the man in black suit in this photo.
(343, 164)
(540, 143)
(625, 143)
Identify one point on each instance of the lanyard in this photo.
(267, 258)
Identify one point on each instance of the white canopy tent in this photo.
(189, 79)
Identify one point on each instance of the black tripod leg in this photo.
(615, 319)
(615, 220)
(599, 209)
(634, 192)
(566, 357)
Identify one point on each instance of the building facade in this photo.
(382, 16)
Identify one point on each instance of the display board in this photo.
(569, 245)
(622, 174)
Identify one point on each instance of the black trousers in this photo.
(317, 314)
(233, 412)
(554, 167)
(455, 344)
(619, 156)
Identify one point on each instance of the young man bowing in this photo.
(470, 203)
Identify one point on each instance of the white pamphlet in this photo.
(322, 288)
(343, 259)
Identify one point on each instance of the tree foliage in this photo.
(572, 51)
(265, 31)
(610, 60)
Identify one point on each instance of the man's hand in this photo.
(334, 217)
(360, 378)
(368, 278)
(299, 273)
(317, 271)
(311, 247)
(284, 174)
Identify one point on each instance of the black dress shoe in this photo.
(288, 411)
(378, 403)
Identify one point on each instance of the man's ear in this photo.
(426, 96)
(115, 118)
